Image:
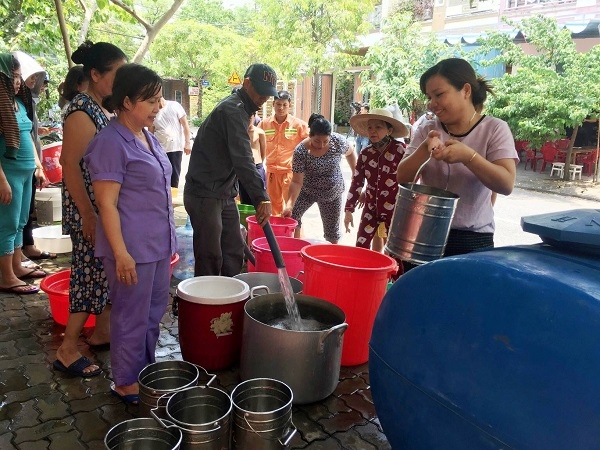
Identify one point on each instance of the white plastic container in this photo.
(48, 206)
(51, 239)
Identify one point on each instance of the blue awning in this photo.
(581, 29)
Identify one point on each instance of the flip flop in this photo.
(18, 289)
(35, 273)
(132, 399)
(78, 367)
(43, 255)
(29, 264)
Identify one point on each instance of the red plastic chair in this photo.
(588, 161)
(532, 158)
(549, 153)
(562, 144)
(521, 147)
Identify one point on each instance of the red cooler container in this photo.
(211, 315)
(355, 279)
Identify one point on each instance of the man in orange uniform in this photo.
(283, 132)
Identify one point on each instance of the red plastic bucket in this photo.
(355, 279)
(51, 163)
(57, 288)
(211, 315)
(282, 226)
(290, 250)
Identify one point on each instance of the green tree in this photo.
(549, 91)
(398, 60)
(310, 36)
(203, 52)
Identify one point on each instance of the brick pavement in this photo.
(44, 409)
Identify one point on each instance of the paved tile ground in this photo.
(44, 409)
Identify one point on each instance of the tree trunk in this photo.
(63, 30)
(151, 29)
(89, 11)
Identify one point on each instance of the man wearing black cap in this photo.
(221, 154)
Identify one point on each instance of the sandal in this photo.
(21, 289)
(42, 255)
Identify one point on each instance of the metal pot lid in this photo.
(575, 230)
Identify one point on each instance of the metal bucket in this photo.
(421, 223)
(291, 356)
(266, 283)
(143, 433)
(262, 415)
(203, 414)
(164, 377)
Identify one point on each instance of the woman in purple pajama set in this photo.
(135, 239)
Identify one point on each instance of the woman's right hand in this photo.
(5, 192)
(125, 265)
(348, 221)
(287, 212)
(433, 141)
(88, 222)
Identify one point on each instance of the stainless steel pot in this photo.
(307, 361)
(266, 283)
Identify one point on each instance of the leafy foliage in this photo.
(308, 36)
(548, 91)
(203, 52)
(398, 60)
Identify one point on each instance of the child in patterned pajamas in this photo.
(377, 164)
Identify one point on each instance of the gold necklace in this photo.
(469, 126)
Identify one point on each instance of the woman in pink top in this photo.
(473, 154)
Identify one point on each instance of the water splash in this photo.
(290, 301)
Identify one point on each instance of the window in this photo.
(178, 97)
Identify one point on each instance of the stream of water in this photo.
(290, 302)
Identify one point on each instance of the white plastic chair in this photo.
(559, 168)
(575, 170)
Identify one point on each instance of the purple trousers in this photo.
(135, 317)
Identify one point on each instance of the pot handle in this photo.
(341, 328)
(211, 375)
(258, 288)
(163, 403)
(286, 439)
(160, 420)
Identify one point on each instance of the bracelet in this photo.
(39, 168)
(265, 202)
(472, 158)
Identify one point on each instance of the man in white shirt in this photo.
(173, 132)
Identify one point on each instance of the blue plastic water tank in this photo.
(495, 349)
(185, 247)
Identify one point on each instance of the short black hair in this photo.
(135, 81)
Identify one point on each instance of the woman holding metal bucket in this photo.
(473, 155)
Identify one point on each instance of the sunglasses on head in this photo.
(283, 95)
